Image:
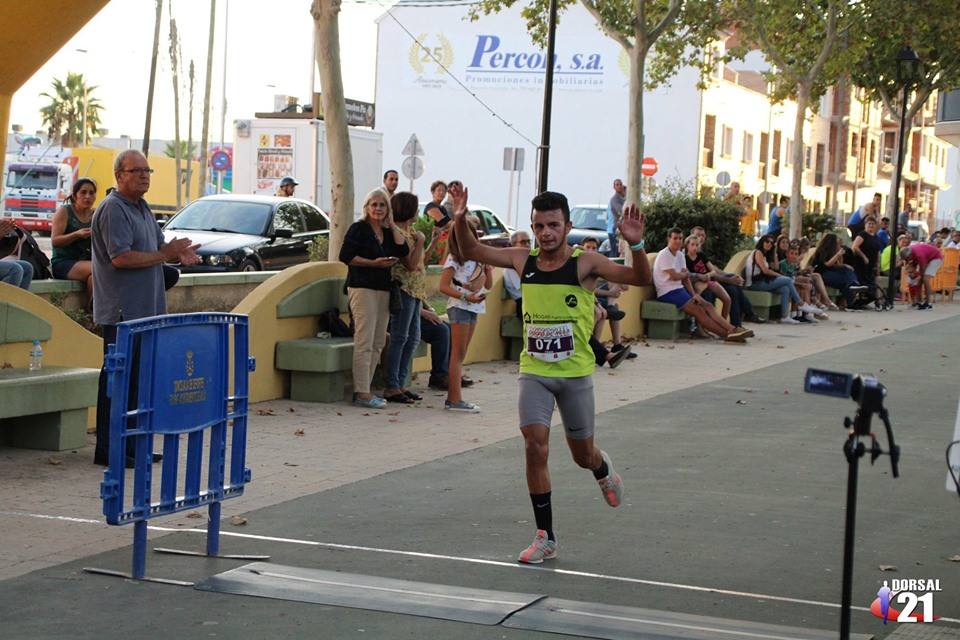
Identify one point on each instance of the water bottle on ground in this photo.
(36, 356)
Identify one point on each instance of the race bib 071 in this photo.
(550, 343)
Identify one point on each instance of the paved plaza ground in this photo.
(734, 502)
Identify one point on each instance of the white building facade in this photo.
(695, 135)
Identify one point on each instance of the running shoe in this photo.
(925, 306)
(809, 308)
(788, 321)
(803, 319)
(612, 484)
(542, 548)
(463, 406)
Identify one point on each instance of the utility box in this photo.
(267, 149)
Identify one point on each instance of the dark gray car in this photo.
(589, 221)
(248, 233)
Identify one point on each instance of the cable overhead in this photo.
(449, 73)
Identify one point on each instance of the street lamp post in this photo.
(907, 62)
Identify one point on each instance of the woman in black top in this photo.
(866, 249)
(371, 247)
(828, 261)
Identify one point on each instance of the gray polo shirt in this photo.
(120, 225)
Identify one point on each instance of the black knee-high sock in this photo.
(543, 512)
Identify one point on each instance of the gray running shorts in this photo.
(574, 397)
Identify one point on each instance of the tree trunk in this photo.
(893, 198)
(190, 133)
(635, 140)
(327, 33)
(796, 194)
(174, 68)
(206, 101)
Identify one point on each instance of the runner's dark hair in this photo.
(551, 200)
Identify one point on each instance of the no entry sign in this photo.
(649, 166)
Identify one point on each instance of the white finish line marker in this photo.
(437, 556)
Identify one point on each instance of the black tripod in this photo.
(869, 395)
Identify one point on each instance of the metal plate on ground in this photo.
(611, 622)
(446, 602)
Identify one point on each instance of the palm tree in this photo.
(63, 116)
(188, 151)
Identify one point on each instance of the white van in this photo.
(918, 230)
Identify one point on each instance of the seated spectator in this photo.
(70, 236)
(927, 259)
(828, 261)
(610, 310)
(602, 355)
(701, 277)
(867, 247)
(954, 242)
(808, 275)
(783, 243)
(740, 307)
(790, 267)
(435, 332)
(672, 282)
(761, 277)
(511, 279)
(13, 271)
(903, 240)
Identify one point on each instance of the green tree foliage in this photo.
(680, 207)
(187, 150)
(63, 115)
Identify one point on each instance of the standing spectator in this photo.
(511, 279)
(614, 213)
(370, 248)
(287, 186)
(437, 212)
(927, 260)
(778, 215)
(760, 277)
(390, 181)
(405, 321)
(856, 222)
(435, 332)
(128, 253)
(828, 261)
(883, 233)
(903, 219)
(466, 282)
(672, 282)
(866, 247)
(70, 236)
(13, 271)
(732, 196)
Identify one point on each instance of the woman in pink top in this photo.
(928, 260)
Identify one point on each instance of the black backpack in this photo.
(332, 323)
(31, 252)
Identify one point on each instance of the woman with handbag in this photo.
(408, 276)
(371, 247)
(70, 236)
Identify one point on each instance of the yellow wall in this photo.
(97, 163)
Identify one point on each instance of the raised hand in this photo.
(632, 224)
(189, 255)
(458, 196)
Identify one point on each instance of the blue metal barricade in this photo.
(170, 377)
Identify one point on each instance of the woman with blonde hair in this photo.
(372, 246)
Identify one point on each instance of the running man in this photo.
(556, 365)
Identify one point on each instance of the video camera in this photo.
(864, 389)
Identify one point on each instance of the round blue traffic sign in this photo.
(220, 161)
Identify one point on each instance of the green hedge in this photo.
(672, 209)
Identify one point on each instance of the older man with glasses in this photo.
(128, 253)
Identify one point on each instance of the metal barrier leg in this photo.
(139, 549)
(213, 530)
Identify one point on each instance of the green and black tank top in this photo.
(79, 250)
(557, 320)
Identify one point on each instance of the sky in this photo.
(269, 43)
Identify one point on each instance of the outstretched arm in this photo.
(472, 248)
(632, 224)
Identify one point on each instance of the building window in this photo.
(726, 144)
(775, 154)
(873, 150)
(709, 140)
(788, 156)
(855, 145)
(807, 157)
(889, 146)
(747, 155)
(818, 174)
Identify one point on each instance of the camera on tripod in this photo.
(864, 389)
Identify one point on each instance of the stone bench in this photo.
(45, 409)
(664, 320)
(320, 369)
(511, 329)
(766, 305)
